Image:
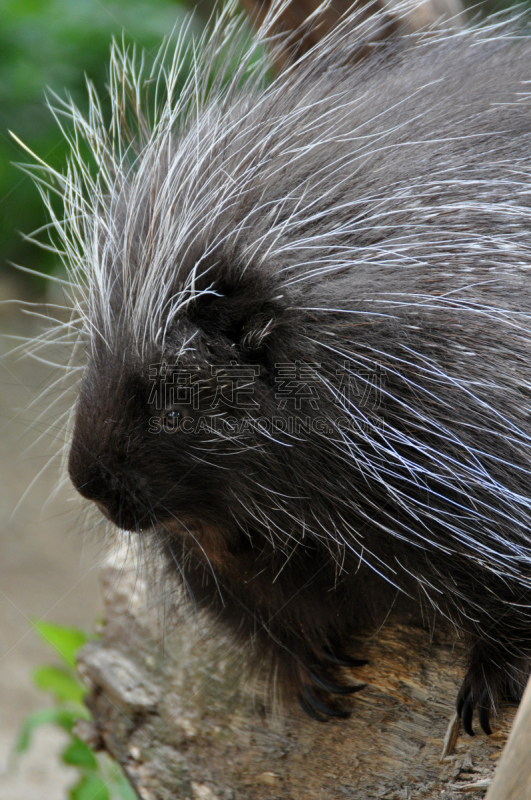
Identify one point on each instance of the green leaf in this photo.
(123, 788)
(78, 754)
(56, 716)
(66, 641)
(90, 787)
(62, 684)
(115, 778)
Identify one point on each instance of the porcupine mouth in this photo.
(206, 540)
(124, 521)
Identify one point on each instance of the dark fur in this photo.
(298, 542)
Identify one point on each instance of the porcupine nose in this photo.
(109, 490)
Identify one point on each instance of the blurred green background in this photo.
(55, 44)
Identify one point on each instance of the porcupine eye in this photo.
(173, 419)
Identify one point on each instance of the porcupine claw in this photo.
(484, 707)
(478, 691)
(343, 661)
(465, 709)
(320, 707)
(330, 686)
(309, 710)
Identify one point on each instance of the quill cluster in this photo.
(305, 308)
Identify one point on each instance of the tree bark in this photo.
(177, 712)
(513, 777)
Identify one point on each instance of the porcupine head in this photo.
(302, 444)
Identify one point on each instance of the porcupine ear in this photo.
(240, 311)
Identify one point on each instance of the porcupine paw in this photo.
(318, 692)
(477, 692)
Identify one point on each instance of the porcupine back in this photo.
(369, 221)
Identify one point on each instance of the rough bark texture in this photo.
(513, 776)
(180, 716)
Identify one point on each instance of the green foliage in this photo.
(60, 683)
(66, 641)
(78, 754)
(90, 788)
(100, 778)
(55, 44)
(61, 717)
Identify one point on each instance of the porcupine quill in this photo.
(305, 310)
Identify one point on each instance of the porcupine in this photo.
(306, 316)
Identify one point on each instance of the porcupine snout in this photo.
(116, 495)
(106, 455)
